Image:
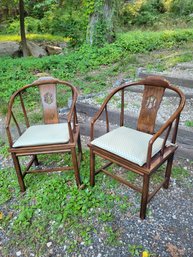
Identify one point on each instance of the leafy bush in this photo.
(142, 12)
(32, 25)
(181, 7)
(66, 24)
(139, 42)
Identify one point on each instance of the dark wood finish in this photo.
(48, 97)
(153, 86)
(152, 97)
(47, 88)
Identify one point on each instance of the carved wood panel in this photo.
(48, 98)
(152, 97)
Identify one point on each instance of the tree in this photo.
(22, 28)
(101, 22)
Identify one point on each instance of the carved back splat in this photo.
(152, 97)
(48, 98)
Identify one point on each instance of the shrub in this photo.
(32, 25)
(182, 7)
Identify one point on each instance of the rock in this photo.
(53, 49)
(62, 45)
(42, 74)
(18, 253)
(49, 244)
(35, 50)
(9, 48)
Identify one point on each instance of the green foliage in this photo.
(65, 24)
(179, 173)
(139, 42)
(32, 25)
(189, 123)
(17, 72)
(181, 7)
(135, 250)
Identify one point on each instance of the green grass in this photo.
(35, 37)
(53, 207)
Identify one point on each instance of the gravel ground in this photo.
(133, 103)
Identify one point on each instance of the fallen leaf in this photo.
(174, 251)
(1, 215)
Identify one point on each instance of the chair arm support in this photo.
(166, 126)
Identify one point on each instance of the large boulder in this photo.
(35, 50)
(53, 49)
(9, 48)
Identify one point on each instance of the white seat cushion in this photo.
(44, 135)
(128, 143)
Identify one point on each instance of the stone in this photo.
(35, 50)
(49, 244)
(53, 49)
(9, 48)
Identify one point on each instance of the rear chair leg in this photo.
(80, 147)
(168, 172)
(76, 169)
(144, 197)
(19, 173)
(36, 162)
(92, 168)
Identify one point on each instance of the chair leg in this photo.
(19, 173)
(36, 162)
(144, 197)
(168, 172)
(92, 168)
(80, 147)
(76, 169)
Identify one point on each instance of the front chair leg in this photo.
(76, 169)
(144, 197)
(168, 172)
(92, 168)
(19, 173)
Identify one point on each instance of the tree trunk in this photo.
(100, 29)
(22, 28)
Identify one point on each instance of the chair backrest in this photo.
(49, 103)
(152, 89)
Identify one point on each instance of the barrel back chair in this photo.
(144, 148)
(34, 111)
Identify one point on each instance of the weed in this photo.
(189, 123)
(179, 173)
(135, 250)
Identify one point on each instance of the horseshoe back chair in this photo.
(142, 150)
(50, 136)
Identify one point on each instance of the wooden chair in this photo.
(139, 150)
(49, 137)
